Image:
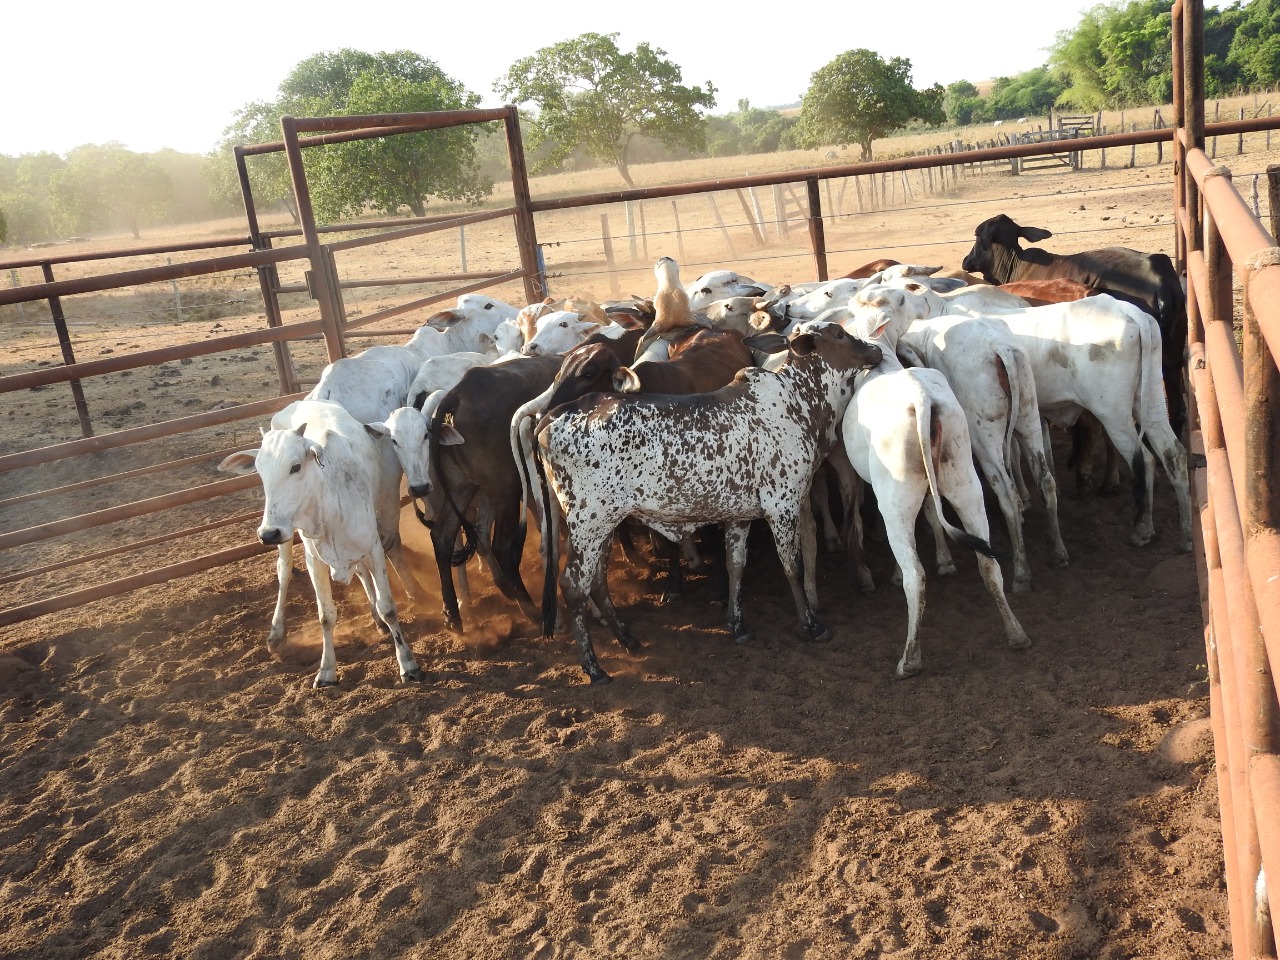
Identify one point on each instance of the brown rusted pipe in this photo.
(435, 120)
(415, 231)
(126, 252)
(130, 278)
(126, 511)
(116, 478)
(151, 431)
(115, 588)
(126, 548)
(149, 358)
(1264, 778)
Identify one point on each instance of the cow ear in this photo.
(377, 430)
(449, 435)
(241, 462)
(626, 381)
(1034, 234)
(769, 342)
(881, 326)
(803, 344)
(302, 428)
(316, 452)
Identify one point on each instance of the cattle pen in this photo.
(283, 303)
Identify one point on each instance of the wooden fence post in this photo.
(675, 212)
(1273, 198)
(755, 227)
(608, 254)
(755, 205)
(733, 253)
(817, 235)
(1240, 137)
(462, 247)
(644, 234)
(631, 228)
(779, 213)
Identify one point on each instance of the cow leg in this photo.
(1173, 457)
(1125, 437)
(386, 608)
(690, 551)
(508, 547)
(604, 602)
(444, 537)
(809, 557)
(584, 558)
(788, 534)
(1041, 467)
(994, 469)
(284, 574)
(965, 496)
(668, 556)
(327, 675)
(899, 506)
(820, 504)
(946, 564)
(851, 488)
(366, 581)
(735, 559)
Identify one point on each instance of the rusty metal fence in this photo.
(1236, 389)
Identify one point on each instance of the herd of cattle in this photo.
(724, 401)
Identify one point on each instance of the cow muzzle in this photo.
(420, 489)
(272, 536)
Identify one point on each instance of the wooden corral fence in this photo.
(1235, 412)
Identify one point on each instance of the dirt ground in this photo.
(171, 789)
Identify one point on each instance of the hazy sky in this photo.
(155, 74)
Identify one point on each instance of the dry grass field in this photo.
(172, 789)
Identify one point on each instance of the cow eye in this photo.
(295, 468)
(488, 306)
(564, 324)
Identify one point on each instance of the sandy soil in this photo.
(171, 789)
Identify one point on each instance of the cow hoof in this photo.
(453, 622)
(319, 684)
(906, 672)
(1137, 539)
(416, 675)
(946, 569)
(816, 633)
(1019, 643)
(669, 596)
(1021, 586)
(630, 643)
(740, 633)
(599, 676)
(1060, 559)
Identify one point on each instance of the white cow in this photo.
(462, 327)
(438, 373)
(1103, 355)
(558, 332)
(992, 378)
(906, 435)
(323, 477)
(718, 284)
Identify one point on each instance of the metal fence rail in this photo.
(1235, 388)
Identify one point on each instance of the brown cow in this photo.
(1058, 290)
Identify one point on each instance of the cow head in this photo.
(992, 236)
(406, 430)
(589, 368)
(287, 462)
(719, 284)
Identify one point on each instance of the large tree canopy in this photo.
(590, 94)
(384, 174)
(100, 185)
(858, 97)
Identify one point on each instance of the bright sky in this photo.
(153, 74)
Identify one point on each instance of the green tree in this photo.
(102, 185)
(25, 195)
(858, 97)
(1255, 46)
(960, 102)
(384, 174)
(1031, 92)
(257, 122)
(590, 94)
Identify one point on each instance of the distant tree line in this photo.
(585, 101)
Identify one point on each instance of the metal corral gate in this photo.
(1235, 414)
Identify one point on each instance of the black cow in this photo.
(1147, 280)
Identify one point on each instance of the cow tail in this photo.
(924, 433)
(550, 547)
(470, 536)
(1012, 372)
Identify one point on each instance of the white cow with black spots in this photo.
(676, 463)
